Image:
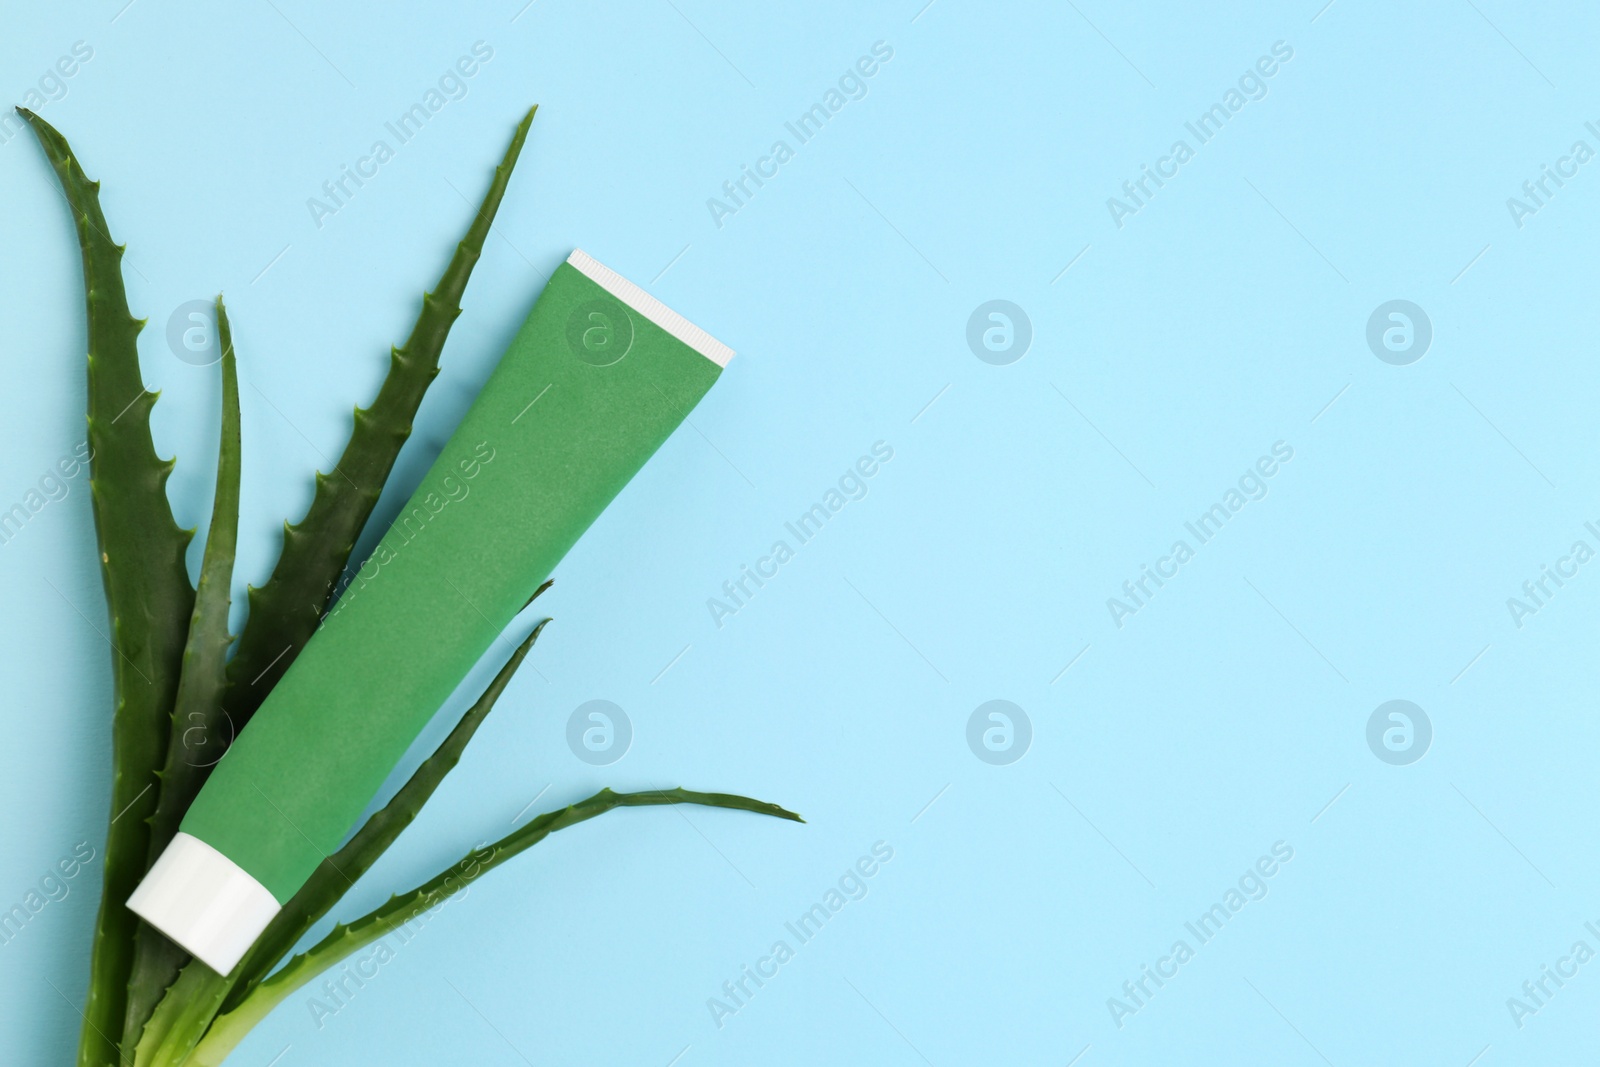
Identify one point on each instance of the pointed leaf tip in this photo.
(316, 550)
(244, 1011)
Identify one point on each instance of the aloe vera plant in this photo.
(156, 960)
(285, 611)
(147, 589)
(149, 1004)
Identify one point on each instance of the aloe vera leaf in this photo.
(181, 1019)
(189, 1007)
(147, 588)
(407, 907)
(285, 611)
(197, 716)
(338, 872)
(197, 712)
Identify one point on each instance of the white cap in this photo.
(205, 902)
(635, 297)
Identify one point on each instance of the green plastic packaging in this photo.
(597, 378)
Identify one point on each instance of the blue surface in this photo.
(1226, 715)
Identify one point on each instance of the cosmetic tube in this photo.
(596, 379)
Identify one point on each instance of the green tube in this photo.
(597, 378)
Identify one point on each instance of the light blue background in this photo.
(1223, 317)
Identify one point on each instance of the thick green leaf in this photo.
(410, 906)
(285, 611)
(147, 588)
(197, 713)
(182, 1018)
